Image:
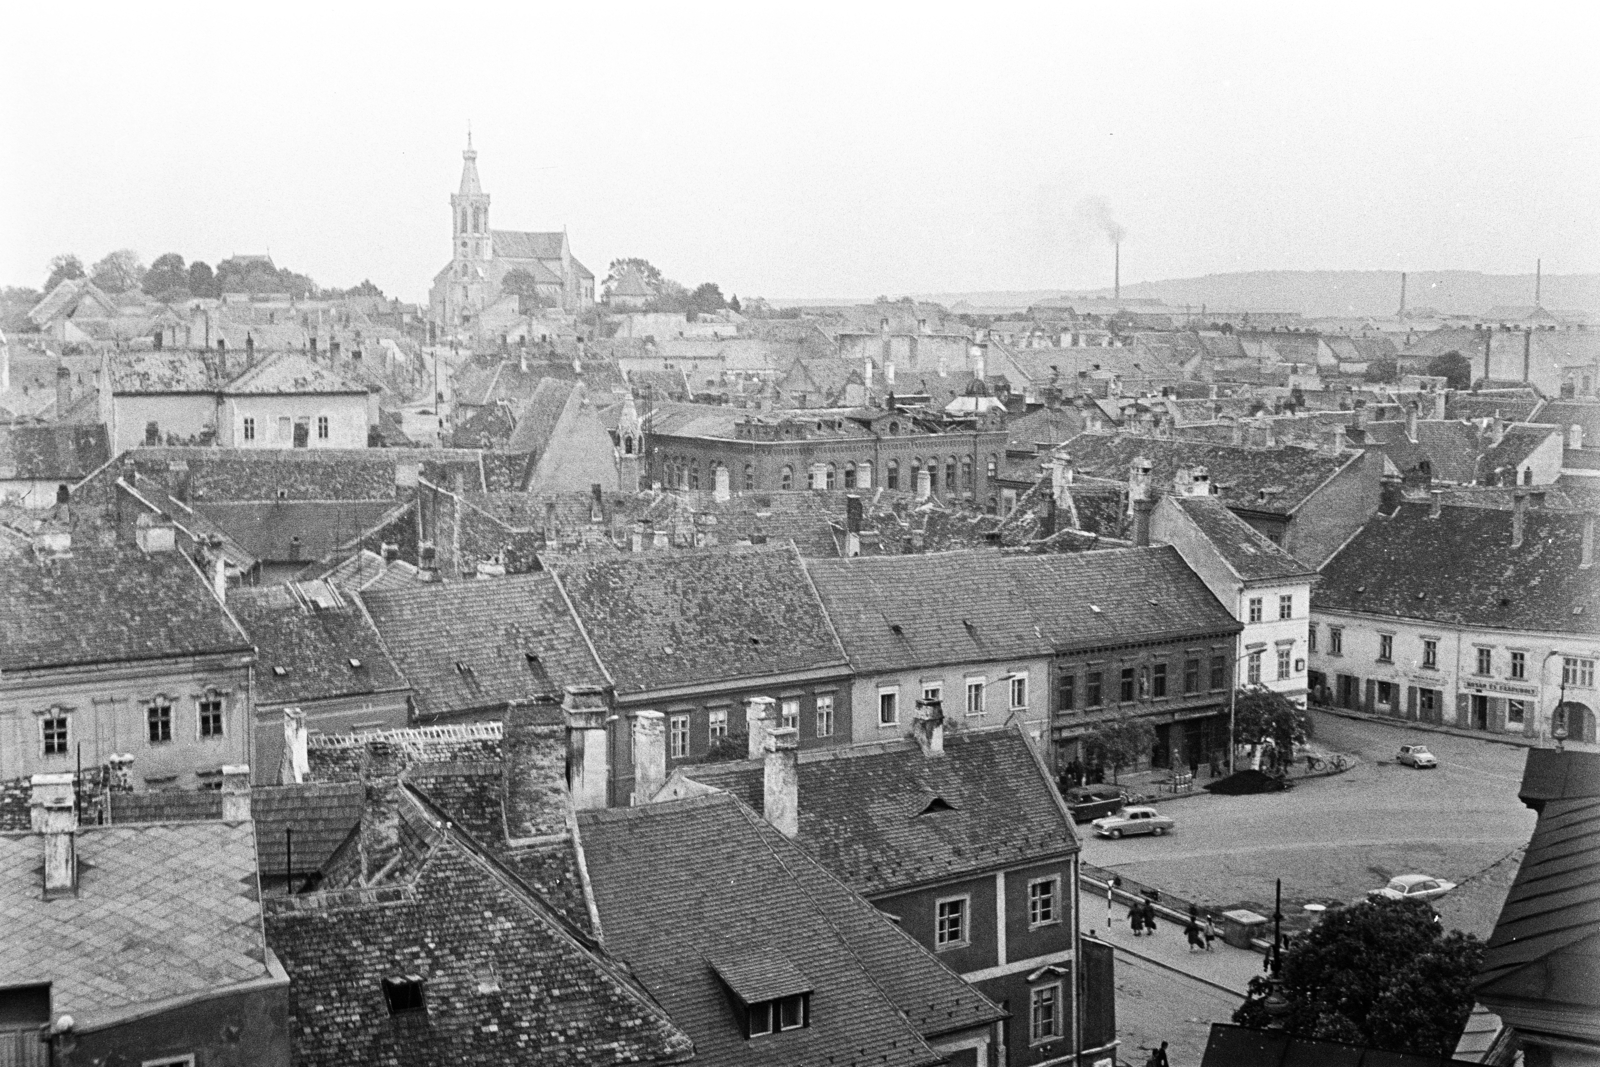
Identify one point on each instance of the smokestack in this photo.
(236, 793)
(584, 709)
(649, 755)
(758, 719)
(1588, 541)
(1116, 275)
(1519, 516)
(63, 391)
(780, 798)
(1141, 522)
(56, 819)
(1402, 312)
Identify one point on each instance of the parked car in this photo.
(1088, 802)
(1416, 756)
(1413, 887)
(1134, 820)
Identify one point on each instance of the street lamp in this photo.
(1558, 718)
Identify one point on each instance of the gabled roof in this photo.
(162, 911)
(322, 643)
(290, 373)
(53, 452)
(479, 644)
(280, 531)
(1460, 569)
(725, 614)
(527, 244)
(109, 605)
(1245, 549)
(865, 816)
(876, 996)
(537, 417)
(163, 372)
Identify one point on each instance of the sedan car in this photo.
(1416, 756)
(1088, 802)
(1139, 820)
(1413, 887)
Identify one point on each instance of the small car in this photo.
(1416, 756)
(1413, 887)
(1087, 802)
(1134, 820)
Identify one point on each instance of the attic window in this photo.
(462, 668)
(403, 994)
(283, 494)
(1505, 602)
(280, 671)
(488, 980)
(532, 658)
(355, 664)
(772, 1016)
(937, 804)
(1095, 608)
(755, 641)
(895, 627)
(1422, 596)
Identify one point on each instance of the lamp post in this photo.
(1558, 722)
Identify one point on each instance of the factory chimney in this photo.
(1116, 274)
(1402, 313)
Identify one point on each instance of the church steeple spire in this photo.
(469, 169)
(469, 210)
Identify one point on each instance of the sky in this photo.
(810, 150)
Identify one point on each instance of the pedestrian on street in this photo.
(1196, 938)
(1158, 1057)
(1194, 766)
(1136, 919)
(1210, 932)
(1149, 917)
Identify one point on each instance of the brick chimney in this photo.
(927, 728)
(1519, 516)
(1142, 508)
(155, 534)
(236, 793)
(852, 526)
(584, 709)
(1062, 475)
(55, 818)
(1588, 541)
(759, 717)
(1438, 405)
(296, 762)
(649, 754)
(780, 796)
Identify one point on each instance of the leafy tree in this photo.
(202, 281)
(1382, 371)
(366, 288)
(519, 282)
(165, 274)
(1454, 368)
(1119, 743)
(1261, 715)
(707, 296)
(733, 303)
(1382, 974)
(646, 271)
(670, 296)
(64, 268)
(119, 271)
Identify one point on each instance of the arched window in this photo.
(1527, 476)
(463, 224)
(966, 473)
(994, 466)
(849, 475)
(786, 478)
(950, 475)
(749, 477)
(994, 506)
(832, 476)
(891, 474)
(894, 427)
(694, 474)
(627, 444)
(477, 220)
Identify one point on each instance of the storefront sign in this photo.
(1485, 686)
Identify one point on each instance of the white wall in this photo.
(346, 415)
(953, 678)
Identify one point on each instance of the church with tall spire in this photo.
(468, 295)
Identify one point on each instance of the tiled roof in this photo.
(474, 645)
(1546, 945)
(161, 911)
(1451, 449)
(289, 530)
(1245, 548)
(1460, 569)
(64, 453)
(505, 980)
(106, 605)
(1290, 473)
(313, 638)
(163, 372)
(770, 901)
(901, 612)
(662, 620)
(537, 416)
(1513, 407)
(289, 372)
(1517, 445)
(1566, 413)
(336, 474)
(527, 244)
(864, 809)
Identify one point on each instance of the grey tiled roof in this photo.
(1245, 548)
(313, 645)
(161, 911)
(54, 452)
(290, 530)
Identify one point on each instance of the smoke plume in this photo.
(1096, 210)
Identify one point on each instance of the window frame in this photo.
(1336, 640)
(323, 427)
(1285, 662)
(716, 723)
(1018, 690)
(1256, 609)
(64, 718)
(678, 726)
(1517, 711)
(1191, 675)
(158, 713)
(1127, 685)
(1158, 680)
(963, 920)
(1483, 665)
(1311, 637)
(1430, 653)
(1285, 607)
(249, 427)
(1577, 672)
(892, 693)
(1066, 692)
(1385, 648)
(1038, 1035)
(1094, 694)
(201, 714)
(824, 714)
(789, 712)
(1519, 664)
(978, 685)
(1252, 670)
(1053, 881)
(1219, 672)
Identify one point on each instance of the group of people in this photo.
(1199, 930)
(1142, 917)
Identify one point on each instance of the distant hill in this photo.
(1329, 293)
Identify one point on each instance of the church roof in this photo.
(525, 244)
(469, 172)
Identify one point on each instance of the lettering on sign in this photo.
(1502, 687)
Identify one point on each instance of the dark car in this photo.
(1089, 802)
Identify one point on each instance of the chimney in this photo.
(1338, 442)
(722, 493)
(924, 484)
(1139, 480)
(428, 561)
(1435, 503)
(979, 361)
(236, 793)
(1361, 414)
(584, 708)
(1588, 541)
(1062, 473)
(852, 526)
(780, 799)
(888, 373)
(1269, 433)
(56, 819)
(155, 534)
(296, 763)
(1402, 313)
(1438, 405)
(927, 727)
(1497, 431)
(649, 755)
(1141, 522)
(1575, 435)
(219, 574)
(390, 551)
(63, 391)
(1519, 516)
(549, 523)
(1411, 422)
(758, 719)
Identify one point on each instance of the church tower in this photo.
(469, 209)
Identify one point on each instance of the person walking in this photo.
(1136, 918)
(1149, 917)
(1196, 938)
(1158, 1057)
(1210, 932)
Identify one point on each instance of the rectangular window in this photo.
(1219, 672)
(1125, 685)
(1158, 680)
(322, 427)
(975, 689)
(791, 1012)
(789, 714)
(1252, 669)
(1067, 692)
(1019, 691)
(1311, 638)
(678, 736)
(1255, 609)
(1485, 661)
(888, 707)
(1428, 700)
(1386, 693)
(1044, 1013)
(950, 923)
(1091, 690)
(211, 717)
(717, 718)
(1386, 648)
(1286, 606)
(55, 733)
(1335, 641)
(249, 428)
(1284, 654)
(159, 719)
(933, 693)
(760, 1018)
(1516, 711)
(825, 715)
(1519, 664)
(285, 427)
(1191, 675)
(1578, 672)
(1043, 908)
(1430, 653)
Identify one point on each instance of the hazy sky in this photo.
(825, 151)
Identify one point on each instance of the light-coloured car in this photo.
(1413, 887)
(1416, 756)
(1134, 820)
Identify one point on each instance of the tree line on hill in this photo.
(170, 279)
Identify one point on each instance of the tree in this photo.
(631, 265)
(118, 272)
(670, 296)
(1382, 371)
(202, 281)
(707, 296)
(1382, 974)
(165, 274)
(366, 288)
(519, 282)
(733, 303)
(1119, 743)
(1454, 368)
(1260, 715)
(64, 268)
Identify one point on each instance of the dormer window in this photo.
(772, 994)
(403, 993)
(355, 664)
(775, 1016)
(280, 672)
